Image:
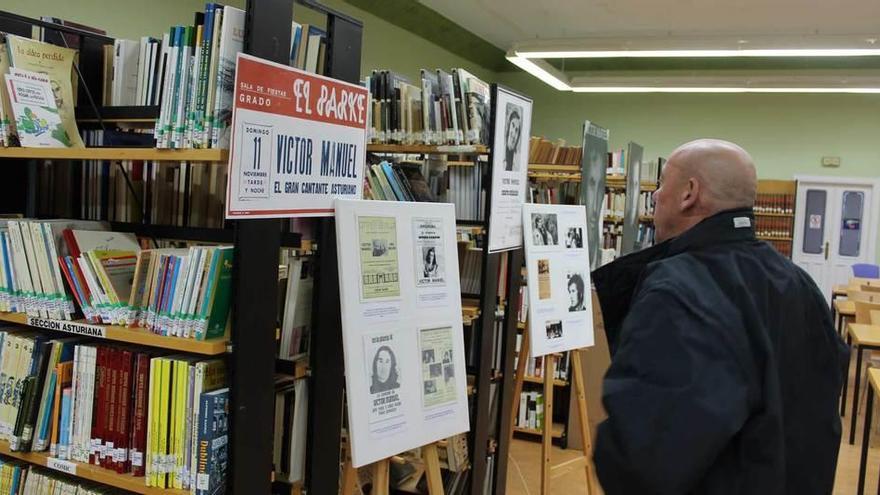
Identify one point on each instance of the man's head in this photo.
(700, 179)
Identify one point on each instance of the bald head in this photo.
(700, 179)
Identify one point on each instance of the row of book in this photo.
(19, 478)
(612, 237)
(161, 417)
(295, 304)
(775, 203)
(197, 73)
(308, 47)
(531, 410)
(543, 151)
(615, 203)
(774, 226)
(552, 192)
(535, 365)
(388, 181)
(646, 203)
(291, 415)
(466, 192)
(441, 108)
(47, 265)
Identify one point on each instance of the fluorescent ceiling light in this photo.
(687, 89)
(542, 70)
(807, 52)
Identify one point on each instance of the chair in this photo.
(866, 270)
(875, 317)
(870, 288)
(864, 311)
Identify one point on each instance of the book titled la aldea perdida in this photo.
(36, 113)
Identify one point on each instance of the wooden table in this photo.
(864, 337)
(873, 387)
(843, 309)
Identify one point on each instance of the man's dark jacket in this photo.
(726, 369)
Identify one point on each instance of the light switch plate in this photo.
(830, 161)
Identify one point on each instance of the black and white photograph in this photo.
(554, 329)
(430, 387)
(436, 369)
(576, 289)
(512, 114)
(574, 238)
(544, 229)
(513, 142)
(430, 259)
(593, 189)
(448, 372)
(384, 373)
(428, 356)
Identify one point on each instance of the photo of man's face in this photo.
(383, 366)
(573, 298)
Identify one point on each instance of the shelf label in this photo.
(68, 326)
(59, 465)
(298, 142)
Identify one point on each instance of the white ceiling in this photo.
(504, 22)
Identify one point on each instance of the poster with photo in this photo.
(594, 164)
(402, 332)
(512, 113)
(381, 351)
(558, 269)
(438, 368)
(380, 272)
(430, 261)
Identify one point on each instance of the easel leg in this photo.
(583, 417)
(350, 482)
(432, 469)
(380, 477)
(547, 434)
(522, 361)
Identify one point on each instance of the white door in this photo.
(835, 227)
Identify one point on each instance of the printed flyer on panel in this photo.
(298, 142)
(558, 268)
(510, 164)
(402, 331)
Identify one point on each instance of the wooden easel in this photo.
(381, 478)
(548, 471)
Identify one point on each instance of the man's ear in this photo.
(690, 194)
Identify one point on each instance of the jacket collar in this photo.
(723, 227)
(617, 281)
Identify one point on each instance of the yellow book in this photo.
(57, 63)
(152, 449)
(173, 432)
(164, 419)
(182, 438)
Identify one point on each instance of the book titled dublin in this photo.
(213, 442)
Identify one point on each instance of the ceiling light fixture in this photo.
(785, 52)
(543, 71)
(690, 89)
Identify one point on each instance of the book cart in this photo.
(249, 347)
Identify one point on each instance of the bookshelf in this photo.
(557, 431)
(89, 472)
(774, 213)
(428, 149)
(192, 155)
(250, 347)
(540, 380)
(139, 336)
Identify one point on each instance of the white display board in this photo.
(510, 165)
(401, 326)
(558, 267)
(298, 142)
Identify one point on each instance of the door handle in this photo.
(826, 250)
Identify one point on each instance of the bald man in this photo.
(726, 367)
